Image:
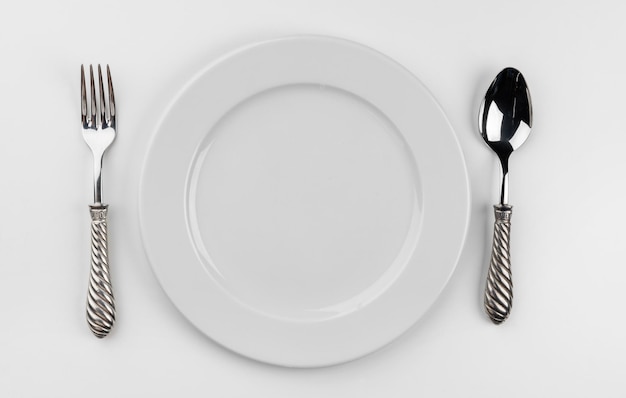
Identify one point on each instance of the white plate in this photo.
(304, 201)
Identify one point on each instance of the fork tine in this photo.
(103, 103)
(83, 97)
(94, 110)
(111, 98)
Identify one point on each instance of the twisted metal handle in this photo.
(499, 288)
(100, 302)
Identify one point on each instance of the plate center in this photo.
(304, 202)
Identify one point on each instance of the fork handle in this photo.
(100, 302)
(499, 287)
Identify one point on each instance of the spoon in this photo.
(504, 121)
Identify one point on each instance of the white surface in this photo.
(566, 334)
(300, 201)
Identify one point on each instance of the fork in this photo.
(98, 125)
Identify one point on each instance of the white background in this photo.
(566, 334)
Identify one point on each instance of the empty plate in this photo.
(304, 201)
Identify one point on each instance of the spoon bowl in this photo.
(505, 118)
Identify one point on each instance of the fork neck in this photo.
(97, 179)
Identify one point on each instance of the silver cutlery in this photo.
(504, 121)
(98, 125)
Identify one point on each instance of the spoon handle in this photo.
(499, 287)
